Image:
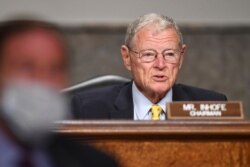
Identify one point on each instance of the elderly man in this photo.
(33, 69)
(153, 53)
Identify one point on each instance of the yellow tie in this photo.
(156, 111)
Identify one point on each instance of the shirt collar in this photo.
(142, 104)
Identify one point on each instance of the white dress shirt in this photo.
(142, 104)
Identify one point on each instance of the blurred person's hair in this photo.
(15, 27)
(159, 21)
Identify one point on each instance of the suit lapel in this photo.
(179, 94)
(124, 103)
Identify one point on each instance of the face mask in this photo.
(29, 110)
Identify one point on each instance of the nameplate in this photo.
(212, 110)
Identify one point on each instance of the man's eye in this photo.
(149, 54)
(169, 54)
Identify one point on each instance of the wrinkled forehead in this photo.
(151, 31)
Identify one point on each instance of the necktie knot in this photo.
(156, 111)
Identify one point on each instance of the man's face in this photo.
(36, 55)
(157, 77)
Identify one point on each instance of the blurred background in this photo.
(217, 33)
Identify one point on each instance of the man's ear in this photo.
(126, 57)
(182, 54)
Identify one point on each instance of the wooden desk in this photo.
(166, 143)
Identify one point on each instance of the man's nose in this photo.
(42, 76)
(160, 62)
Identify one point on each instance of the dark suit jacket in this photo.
(63, 152)
(115, 102)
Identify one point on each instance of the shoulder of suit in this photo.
(200, 93)
(103, 91)
(71, 152)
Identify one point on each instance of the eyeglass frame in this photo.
(157, 53)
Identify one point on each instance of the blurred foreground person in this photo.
(33, 69)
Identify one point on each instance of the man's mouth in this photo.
(160, 78)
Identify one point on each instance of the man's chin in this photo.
(161, 90)
(161, 86)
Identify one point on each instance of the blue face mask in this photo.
(30, 109)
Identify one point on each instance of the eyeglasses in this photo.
(149, 55)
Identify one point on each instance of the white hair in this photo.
(161, 22)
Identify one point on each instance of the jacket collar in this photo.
(124, 103)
